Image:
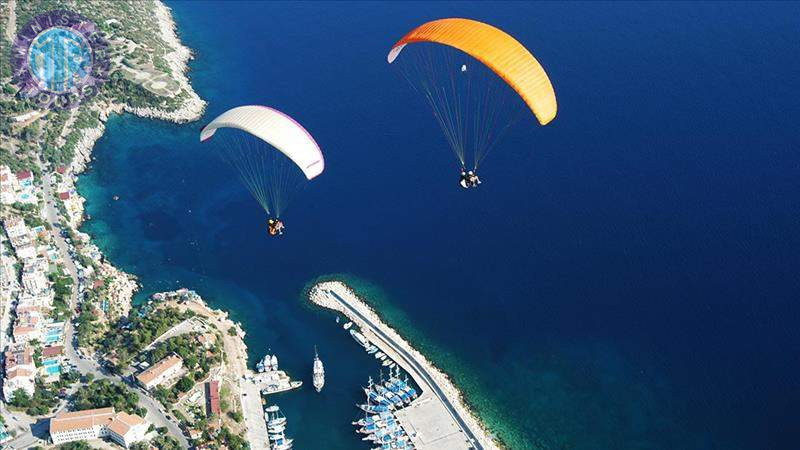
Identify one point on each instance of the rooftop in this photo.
(160, 367)
(212, 391)
(55, 350)
(119, 423)
(18, 356)
(79, 420)
(123, 422)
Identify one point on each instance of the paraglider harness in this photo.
(468, 179)
(274, 227)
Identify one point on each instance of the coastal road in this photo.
(87, 365)
(84, 366)
(416, 366)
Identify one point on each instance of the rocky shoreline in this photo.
(178, 60)
(123, 284)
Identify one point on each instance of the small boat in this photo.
(379, 355)
(373, 408)
(276, 422)
(368, 429)
(276, 427)
(359, 338)
(347, 325)
(387, 361)
(268, 363)
(372, 349)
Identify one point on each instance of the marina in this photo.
(270, 380)
(276, 429)
(265, 426)
(380, 424)
(430, 417)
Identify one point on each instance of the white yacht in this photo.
(319, 372)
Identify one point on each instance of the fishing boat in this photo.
(369, 408)
(396, 385)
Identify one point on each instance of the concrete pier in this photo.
(437, 419)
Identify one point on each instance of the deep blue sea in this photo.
(625, 278)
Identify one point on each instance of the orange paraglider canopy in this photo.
(499, 51)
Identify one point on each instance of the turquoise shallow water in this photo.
(623, 279)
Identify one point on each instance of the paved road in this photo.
(419, 368)
(183, 327)
(155, 413)
(250, 399)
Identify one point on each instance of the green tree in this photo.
(20, 399)
(77, 445)
(104, 393)
(165, 442)
(184, 384)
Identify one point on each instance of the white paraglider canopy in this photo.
(275, 128)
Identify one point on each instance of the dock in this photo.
(252, 386)
(253, 411)
(437, 419)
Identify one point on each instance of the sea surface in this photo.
(625, 278)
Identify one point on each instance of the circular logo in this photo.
(60, 59)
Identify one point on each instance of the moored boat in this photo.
(359, 338)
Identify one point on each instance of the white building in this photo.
(20, 371)
(40, 300)
(8, 186)
(8, 271)
(121, 427)
(165, 372)
(34, 279)
(28, 325)
(25, 251)
(126, 429)
(15, 228)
